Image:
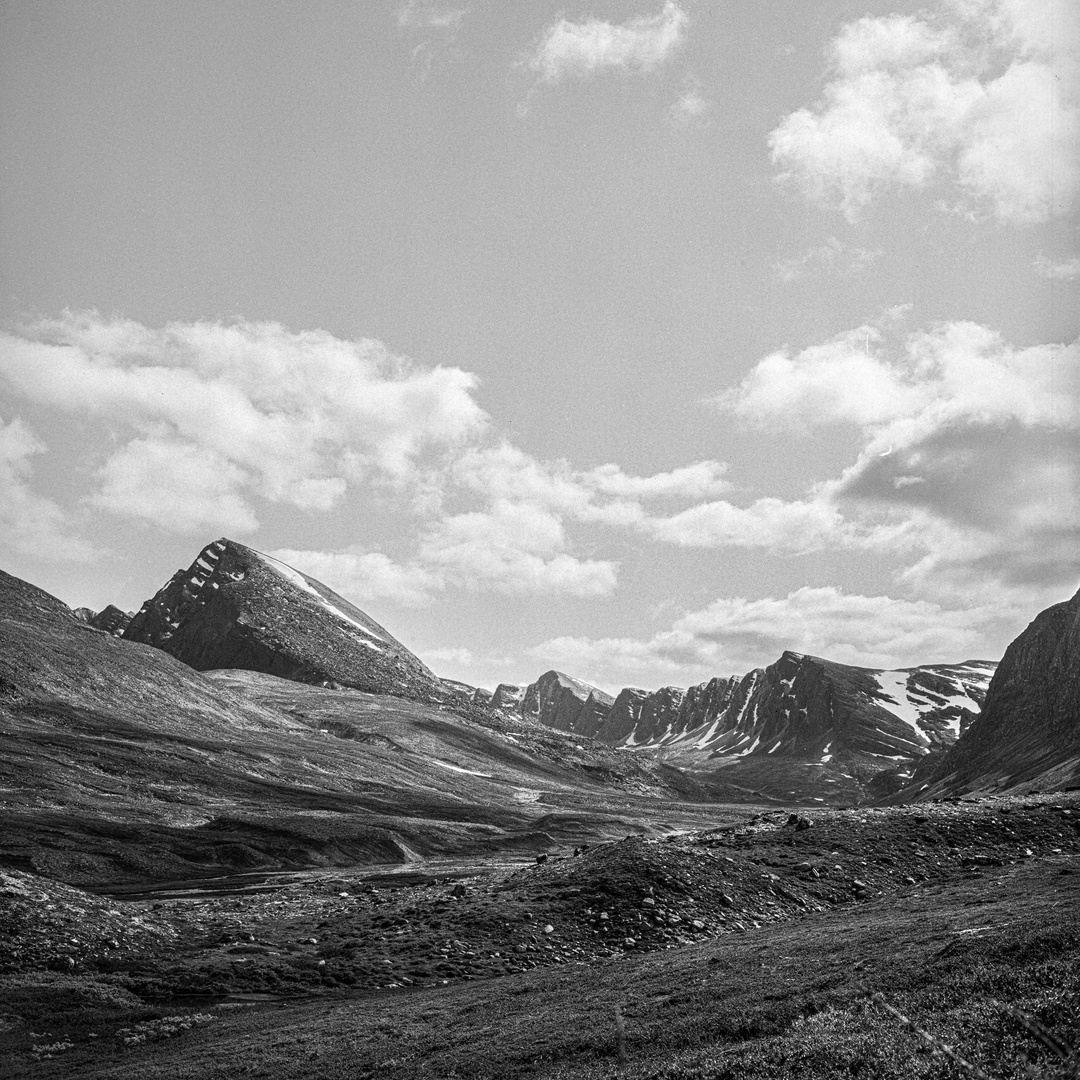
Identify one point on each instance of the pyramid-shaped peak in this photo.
(236, 607)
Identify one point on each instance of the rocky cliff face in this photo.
(112, 620)
(801, 705)
(508, 696)
(1028, 732)
(237, 608)
(566, 704)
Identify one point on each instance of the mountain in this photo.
(507, 696)
(802, 712)
(801, 704)
(110, 619)
(1028, 733)
(565, 704)
(121, 763)
(235, 607)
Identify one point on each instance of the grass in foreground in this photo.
(789, 1000)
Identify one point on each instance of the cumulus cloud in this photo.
(513, 547)
(789, 527)
(735, 634)
(31, 525)
(517, 541)
(583, 48)
(832, 257)
(504, 471)
(363, 576)
(839, 380)
(242, 411)
(182, 487)
(971, 445)
(982, 95)
(1063, 270)
(196, 428)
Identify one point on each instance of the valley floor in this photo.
(753, 950)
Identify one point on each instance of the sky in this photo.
(642, 339)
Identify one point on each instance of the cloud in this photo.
(691, 108)
(415, 15)
(783, 527)
(734, 634)
(516, 548)
(981, 97)
(362, 576)
(437, 25)
(243, 411)
(517, 541)
(197, 427)
(1065, 270)
(181, 487)
(832, 257)
(583, 48)
(840, 380)
(31, 525)
(970, 449)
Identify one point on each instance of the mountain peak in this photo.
(236, 607)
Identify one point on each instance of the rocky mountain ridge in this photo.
(235, 607)
(110, 619)
(799, 705)
(1028, 733)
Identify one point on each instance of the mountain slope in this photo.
(237, 608)
(800, 727)
(122, 764)
(1029, 730)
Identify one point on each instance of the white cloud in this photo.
(842, 379)
(982, 95)
(179, 486)
(833, 257)
(31, 525)
(437, 25)
(691, 108)
(582, 48)
(696, 481)
(195, 427)
(1064, 270)
(513, 547)
(734, 634)
(777, 525)
(362, 576)
(415, 15)
(246, 410)
(971, 450)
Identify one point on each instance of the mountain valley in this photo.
(248, 804)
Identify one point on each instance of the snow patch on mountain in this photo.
(294, 577)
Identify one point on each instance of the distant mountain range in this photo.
(244, 761)
(835, 726)
(802, 704)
